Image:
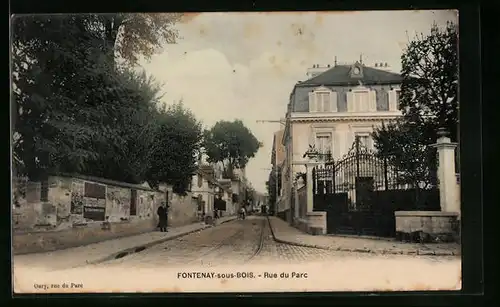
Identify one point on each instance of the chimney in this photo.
(335, 61)
(361, 59)
(376, 64)
(386, 65)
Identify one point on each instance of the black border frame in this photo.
(471, 145)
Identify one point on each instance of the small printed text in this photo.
(242, 275)
(64, 285)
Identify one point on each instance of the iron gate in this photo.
(361, 192)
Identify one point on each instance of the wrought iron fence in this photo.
(359, 174)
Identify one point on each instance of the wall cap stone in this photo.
(425, 213)
(316, 213)
(104, 181)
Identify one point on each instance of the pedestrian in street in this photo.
(162, 218)
(242, 213)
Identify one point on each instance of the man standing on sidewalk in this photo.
(162, 218)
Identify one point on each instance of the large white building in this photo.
(334, 107)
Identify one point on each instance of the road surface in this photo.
(242, 256)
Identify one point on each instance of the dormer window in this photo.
(323, 103)
(361, 99)
(323, 99)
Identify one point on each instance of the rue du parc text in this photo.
(242, 275)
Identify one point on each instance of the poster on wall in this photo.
(94, 213)
(94, 201)
(77, 191)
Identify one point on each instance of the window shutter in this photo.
(329, 144)
(369, 142)
(312, 102)
(392, 100)
(350, 101)
(333, 101)
(373, 101)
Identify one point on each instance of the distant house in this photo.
(209, 191)
(332, 108)
(277, 160)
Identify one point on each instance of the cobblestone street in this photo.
(242, 242)
(247, 248)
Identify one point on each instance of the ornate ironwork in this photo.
(362, 191)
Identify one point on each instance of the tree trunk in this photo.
(112, 24)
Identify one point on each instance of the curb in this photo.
(359, 250)
(141, 247)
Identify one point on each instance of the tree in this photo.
(128, 36)
(74, 111)
(48, 55)
(429, 90)
(230, 143)
(405, 148)
(178, 139)
(128, 135)
(273, 185)
(428, 101)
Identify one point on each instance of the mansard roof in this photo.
(343, 75)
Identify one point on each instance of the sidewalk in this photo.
(106, 250)
(284, 233)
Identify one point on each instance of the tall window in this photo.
(323, 102)
(365, 140)
(394, 96)
(324, 143)
(361, 102)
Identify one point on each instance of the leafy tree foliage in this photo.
(405, 147)
(429, 91)
(128, 133)
(52, 58)
(178, 139)
(273, 185)
(128, 36)
(428, 101)
(230, 143)
(76, 112)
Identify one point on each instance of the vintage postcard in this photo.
(235, 152)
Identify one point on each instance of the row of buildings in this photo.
(335, 105)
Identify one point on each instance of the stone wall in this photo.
(183, 210)
(317, 222)
(427, 226)
(71, 211)
(32, 242)
(302, 224)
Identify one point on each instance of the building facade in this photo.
(208, 190)
(277, 159)
(331, 109)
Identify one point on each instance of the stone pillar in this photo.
(297, 203)
(449, 198)
(309, 185)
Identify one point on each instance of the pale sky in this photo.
(244, 65)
